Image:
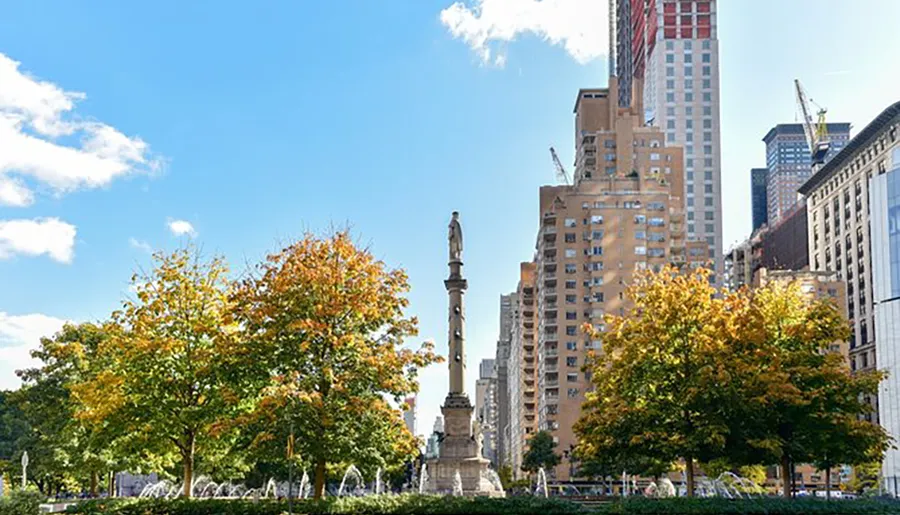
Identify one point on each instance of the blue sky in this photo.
(244, 126)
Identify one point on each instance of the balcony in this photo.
(550, 283)
(550, 352)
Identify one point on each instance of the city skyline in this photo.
(282, 164)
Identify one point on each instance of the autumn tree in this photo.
(326, 322)
(658, 377)
(798, 401)
(169, 379)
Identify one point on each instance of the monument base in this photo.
(460, 452)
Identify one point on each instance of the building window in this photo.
(640, 251)
(688, 97)
(597, 251)
(570, 237)
(570, 268)
(670, 58)
(707, 176)
(571, 361)
(572, 392)
(688, 58)
(596, 235)
(596, 219)
(640, 235)
(570, 299)
(707, 97)
(707, 71)
(570, 285)
(571, 330)
(572, 378)
(571, 315)
(670, 124)
(571, 345)
(670, 97)
(570, 253)
(670, 71)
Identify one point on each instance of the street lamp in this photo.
(24, 468)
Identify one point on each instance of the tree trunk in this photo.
(111, 484)
(828, 483)
(187, 458)
(786, 476)
(95, 478)
(320, 478)
(689, 465)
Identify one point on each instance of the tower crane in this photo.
(561, 173)
(816, 132)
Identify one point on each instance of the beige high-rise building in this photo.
(624, 213)
(521, 370)
(839, 229)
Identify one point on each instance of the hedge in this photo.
(751, 506)
(433, 505)
(372, 505)
(20, 502)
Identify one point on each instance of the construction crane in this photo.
(816, 132)
(561, 173)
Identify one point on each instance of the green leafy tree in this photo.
(795, 402)
(171, 377)
(660, 377)
(865, 478)
(540, 453)
(326, 324)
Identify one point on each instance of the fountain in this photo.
(305, 487)
(353, 475)
(379, 486)
(423, 479)
(457, 484)
(541, 488)
(494, 479)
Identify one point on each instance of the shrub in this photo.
(20, 502)
(752, 506)
(373, 505)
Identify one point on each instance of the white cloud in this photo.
(14, 193)
(140, 245)
(34, 116)
(579, 26)
(49, 236)
(182, 228)
(19, 335)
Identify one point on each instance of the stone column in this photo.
(456, 287)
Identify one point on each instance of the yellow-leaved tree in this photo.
(657, 378)
(167, 357)
(326, 323)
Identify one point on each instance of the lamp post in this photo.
(24, 468)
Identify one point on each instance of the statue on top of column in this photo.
(455, 238)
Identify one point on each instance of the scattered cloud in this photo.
(13, 193)
(45, 142)
(50, 236)
(182, 228)
(579, 26)
(19, 335)
(140, 245)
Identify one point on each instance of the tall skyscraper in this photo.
(486, 412)
(409, 414)
(885, 203)
(522, 418)
(758, 184)
(625, 212)
(507, 318)
(789, 164)
(840, 231)
(672, 49)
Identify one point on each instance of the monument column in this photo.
(456, 287)
(460, 450)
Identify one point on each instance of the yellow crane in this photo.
(816, 131)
